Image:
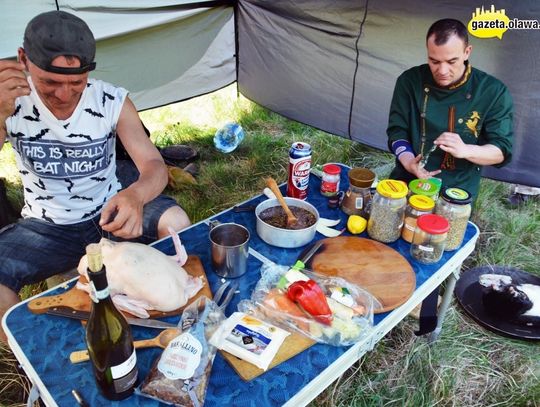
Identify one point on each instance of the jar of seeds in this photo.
(418, 205)
(387, 210)
(429, 238)
(455, 206)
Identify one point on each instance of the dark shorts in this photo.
(32, 250)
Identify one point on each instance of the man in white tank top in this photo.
(63, 128)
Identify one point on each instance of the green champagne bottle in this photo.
(108, 336)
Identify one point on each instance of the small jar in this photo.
(426, 187)
(418, 205)
(330, 180)
(455, 205)
(429, 238)
(387, 211)
(357, 199)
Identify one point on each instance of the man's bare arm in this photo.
(13, 84)
(122, 215)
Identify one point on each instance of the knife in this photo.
(302, 262)
(84, 315)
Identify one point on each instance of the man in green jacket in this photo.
(448, 119)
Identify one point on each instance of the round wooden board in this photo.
(375, 267)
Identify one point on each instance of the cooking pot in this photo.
(286, 238)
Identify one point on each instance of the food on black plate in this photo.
(510, 300)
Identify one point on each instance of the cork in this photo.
(93, 255)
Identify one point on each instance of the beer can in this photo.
(299, 168)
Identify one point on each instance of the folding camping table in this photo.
(42, 343)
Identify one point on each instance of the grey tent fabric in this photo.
(298, 58)
(331, 64)
(162, 51)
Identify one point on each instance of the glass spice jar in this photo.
(387, 211)
(418, 205)
(330, 180)
(429, 238)
(455, 206)
(426, 187)
(357, 199)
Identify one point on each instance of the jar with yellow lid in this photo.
(455, 205)
(387, 211)
(418, 205)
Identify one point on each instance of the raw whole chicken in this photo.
(142, 278)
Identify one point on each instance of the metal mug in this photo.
(230, 248)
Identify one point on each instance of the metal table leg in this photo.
(33, 396)
(447, 297)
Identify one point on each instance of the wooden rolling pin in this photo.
(161, 341)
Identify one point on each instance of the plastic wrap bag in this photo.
(179, 376)
(347, 317)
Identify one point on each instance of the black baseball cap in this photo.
(57, 33)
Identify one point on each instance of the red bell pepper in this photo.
(311, 298)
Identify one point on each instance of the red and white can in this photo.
(299, 168)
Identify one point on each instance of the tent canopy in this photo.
(162, 51)
(329, 64)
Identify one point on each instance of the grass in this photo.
(14, 387)
(467, 366)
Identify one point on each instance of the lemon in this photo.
(356, 224)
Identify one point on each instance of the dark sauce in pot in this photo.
(276, 216)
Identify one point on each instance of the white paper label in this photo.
(97, 295)
(409, 227)
(102, 294)
(125, 367)
(425, 248)
(181, 357)
(359, 202)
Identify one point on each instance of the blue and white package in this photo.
(249, 339)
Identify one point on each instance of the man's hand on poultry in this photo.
(123, 215)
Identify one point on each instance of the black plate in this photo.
(469, 295)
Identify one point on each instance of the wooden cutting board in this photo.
(293, 345)
(374, 266)
(80, 300)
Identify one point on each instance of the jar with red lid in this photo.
(429, 238)
(330, 180)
